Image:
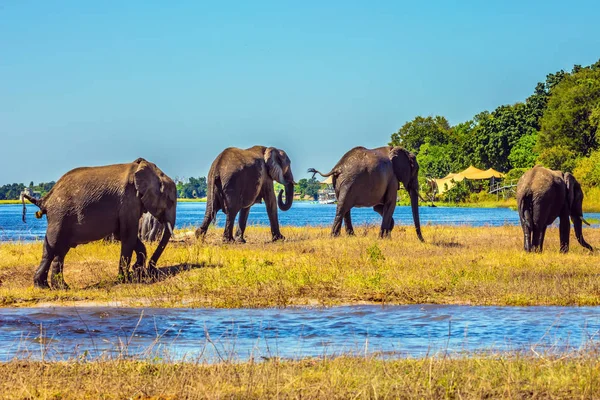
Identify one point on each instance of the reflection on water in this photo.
(301, 214)
(239, 334)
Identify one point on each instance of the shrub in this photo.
(587, 170)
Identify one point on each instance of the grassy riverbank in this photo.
(466, 265)
(338, 378)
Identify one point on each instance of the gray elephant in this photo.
(150, 228)
(542, 196)
(369, 178)
(239, 178)
(91, 203)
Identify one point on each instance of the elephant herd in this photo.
(137, 201)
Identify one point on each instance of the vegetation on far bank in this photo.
(487, 376)
(455, 265)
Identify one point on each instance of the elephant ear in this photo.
(273, 161)
(405, 166)
(149, 187)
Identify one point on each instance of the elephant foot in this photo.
(200, 232)
(277, 237)
(385, 234)
(240, 239)
(350, 233)
(227, 240)
(40, 284)
(58, 283)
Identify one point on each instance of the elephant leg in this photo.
(40, 280)
(537, 234)
(386, 223)
(348, 224)
(542, 237)
(242, 221)
(230, 221)
(379, 210)
(127, 247)
(526, 237)
(340, 214)
(140, 254)
(139, 271)
(271, 204)
(564, 230)
(57, 278)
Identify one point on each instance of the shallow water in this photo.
(301, 214)
(240, 334)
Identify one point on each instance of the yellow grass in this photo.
(467, 265)
(339, 378)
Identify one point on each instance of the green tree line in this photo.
(12, 191)
(556, 126)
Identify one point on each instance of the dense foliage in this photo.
(557, 126)
(308, 187)
(192, 189)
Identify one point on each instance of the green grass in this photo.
(456, 265)
(492, 376)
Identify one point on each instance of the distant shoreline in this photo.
(485, 204)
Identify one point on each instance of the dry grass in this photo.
(456, 265)
(511, 376)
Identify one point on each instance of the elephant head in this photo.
(406, 170)
(574, 203)
(158, 195)
(279, 169)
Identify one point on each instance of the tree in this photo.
(587, 170)
(558, 158)
(193, 188)
(415, 133)
(435, 160)
(523, 154)
(571, 118)
(308, 187)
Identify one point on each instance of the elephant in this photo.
(239, 178)
(150, 228)
(542, 196)
(91, 203)
(370, 178)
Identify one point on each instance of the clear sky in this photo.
(101, 82)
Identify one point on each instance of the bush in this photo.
(559, 158)
(459, 193)
(587, 170)
(514, 174)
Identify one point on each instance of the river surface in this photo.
(211, 335)
(301, 214)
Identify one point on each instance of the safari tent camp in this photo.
(446, 183)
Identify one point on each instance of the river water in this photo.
(212, 335)
(301, 214)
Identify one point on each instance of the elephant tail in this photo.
(32, 200)
(526, 211)
(314, 172)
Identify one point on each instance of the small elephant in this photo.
(150, 228)
(239, 178)
(542, 196)
(369, 178)
(91, 203)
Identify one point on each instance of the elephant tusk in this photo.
(584, 221)
(170, 228)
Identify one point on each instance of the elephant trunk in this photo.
(414, 204)
(289, 197)
(167, 233)
(577, 224)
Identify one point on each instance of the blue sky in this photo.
(92, 83)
